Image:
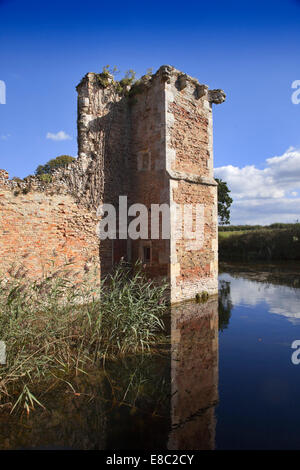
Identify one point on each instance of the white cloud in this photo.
(263, 196)
(4, 136)
(281, 300)
(61, 135)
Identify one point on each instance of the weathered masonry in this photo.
(155, 147)
(43, 228)
(151, 142)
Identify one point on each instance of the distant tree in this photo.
(52, 165)
(224, 202)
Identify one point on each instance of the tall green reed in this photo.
(54, 327)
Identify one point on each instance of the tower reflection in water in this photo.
(194, 375)
(150, 401)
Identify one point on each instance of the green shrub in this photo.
(264, 244)
(59, 162)
(45, 177)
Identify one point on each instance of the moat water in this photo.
(227, 381)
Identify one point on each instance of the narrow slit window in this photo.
(147, 254)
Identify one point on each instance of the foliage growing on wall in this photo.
(128, 85)
(59, 162)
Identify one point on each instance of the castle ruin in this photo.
(151, 142)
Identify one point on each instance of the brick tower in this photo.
(153, 144)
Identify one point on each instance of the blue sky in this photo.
(250, 49)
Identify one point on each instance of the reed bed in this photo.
(54, 328)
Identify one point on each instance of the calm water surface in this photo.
(226, 382)
(258, 383)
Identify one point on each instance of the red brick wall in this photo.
(190, 165)
(197, 264)
(150, 183)
(189, 136)
(37, 228)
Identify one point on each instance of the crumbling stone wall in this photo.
(103, 151)
(150, 142)
(42, 228)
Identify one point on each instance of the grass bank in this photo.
(54, 328)
(228, 234)
(264, 244)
